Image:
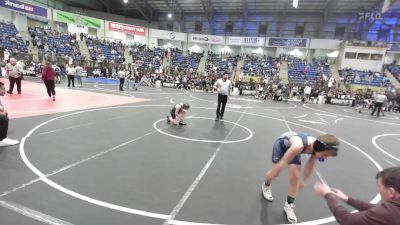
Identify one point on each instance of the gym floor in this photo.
(98, 156)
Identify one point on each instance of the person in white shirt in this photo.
(307, 93)
(4, 140)
(14, 73)
(70, 71)
(380, 100)
(223, 85)
(121, 75)
(6, 55)
(78, 74)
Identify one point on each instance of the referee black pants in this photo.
(222, 99)
(378, 105)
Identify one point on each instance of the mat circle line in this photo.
(71, 193)
(381, 149)
(207, 141)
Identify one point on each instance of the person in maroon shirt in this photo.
(386, 213)
(48, 77)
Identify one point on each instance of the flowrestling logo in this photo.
(19, 6)
(24, 7)
(212, 39)
(125, 28)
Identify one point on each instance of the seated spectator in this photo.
(5, 141)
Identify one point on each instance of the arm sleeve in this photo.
(344, 217)
(44, 71)
(359, 205)
(216, 84)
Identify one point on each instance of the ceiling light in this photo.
(169, 15)
(295, 3)
(125, 1)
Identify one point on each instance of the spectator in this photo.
(121, 75)
(14, 72)
(388, 182)
(380, 100)
(5, 141)
(48, 77)
(70, 71)
(78, 71)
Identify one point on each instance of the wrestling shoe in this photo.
(266, 190)
(288, 208)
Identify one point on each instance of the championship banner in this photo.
(128, 29)
(394, 47)
(76, 19)
(288, 42)
(24, 7)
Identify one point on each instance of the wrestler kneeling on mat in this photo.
(178, 113)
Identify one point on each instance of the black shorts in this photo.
(279, 150)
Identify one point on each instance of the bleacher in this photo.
(48, 42)
(186, 62)
(149, 58)
(357, 77)
(221, 65)
(7, 34)
(256, 66)
(395, 71)
(110, 50)
(299, 70)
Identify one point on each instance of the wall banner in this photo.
(246, 41)
(24, 7)
(208, 39)
(168, 35)
(394, 47)
(288, 42)
(77, 19)
(125, 28)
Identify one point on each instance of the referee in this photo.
(223, 85)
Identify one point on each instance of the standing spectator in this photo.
(48, 77)
(307, 93)
(78, 70)
(388, 182)
(6, 55)
(223, 85)
(70, 71)
(5, 141)
(58, 73)
(14, 72)
(380, 99)
(121, 75)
